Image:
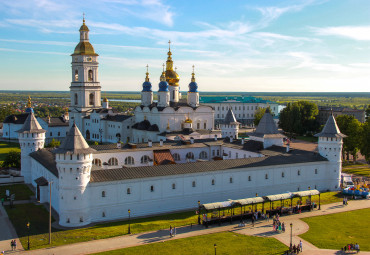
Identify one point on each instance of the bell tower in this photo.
(85, 90)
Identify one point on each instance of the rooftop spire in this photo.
(169, 62)
(163, 76)
(29, 105)
(147, 73)
(331, 129)
(193, 75)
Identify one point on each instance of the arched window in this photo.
(128, 191)
(113, 162)
(282, 175)
(91, 99)
(231, 179)
(315, 171)
(97, 162)
(76, 75)
(299, 172)
(193, 184)
(90, 75)
(152, 188)
(144, 159)
(76, 99)
(103, 193)
(87, 134)
(213, 181)
(129, 161)
(176, 157)
(173, 186)
(118, 136)
(203, 155)
(189, 155)
(249, 178)
(266, 176)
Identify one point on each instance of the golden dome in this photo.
(105, 100)
(84, 27)
(171, 76)
(188, 120)
(84, 48)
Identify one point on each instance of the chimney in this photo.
(119, 145)
(231, 139)
(150, 143)
(191, 140)
(215, 137)
(161, 142)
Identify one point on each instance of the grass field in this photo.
(38, 216)
(6, 147)
(227, 243)
(363, 170)
(336, 230)
(21, 191)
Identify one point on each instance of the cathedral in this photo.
(173, 160)
(168, 118)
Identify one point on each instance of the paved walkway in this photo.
(261, 229)
(7, 232)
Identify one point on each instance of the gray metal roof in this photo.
(31, 125)
(74, 143)
(266, 126)
(331, 129)
(306, 193)
(294, 157)
(230, 118)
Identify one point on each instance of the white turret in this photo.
(193, 94)
(105, 103)
(147, 93)
(31, 138)
(330, 146)
(230, 126)
(163, 92)
(74, 160)
(85, 88)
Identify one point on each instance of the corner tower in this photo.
(31, 138)
(74, 160)
(85, 87)
(230, 126)
(330, 146)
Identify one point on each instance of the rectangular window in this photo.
(218, 152)
(213, 153)
(315, 171)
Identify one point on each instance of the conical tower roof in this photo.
(74, 143)
(31, 125)
(331, 129)
(267, 127)
(230, 118)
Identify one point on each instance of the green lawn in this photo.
(6, 147)
(227, 243)
(336, 230)
(310, 139)
(363, 170)
(21, 191)
(39, 217)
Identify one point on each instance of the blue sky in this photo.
(250, 45)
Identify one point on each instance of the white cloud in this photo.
(360, 33)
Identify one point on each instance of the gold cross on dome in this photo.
(83, 15)
(169, 44)
(163, 67)
(193, 68)
(147, 68)
(175, 68)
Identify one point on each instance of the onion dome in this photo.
(105, 100)
(29, 108)
(188, 120)
(163, 85)
(171, 76)
(84, 27)
(147, 86)
(193, 86)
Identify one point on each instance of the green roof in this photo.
(234, 99)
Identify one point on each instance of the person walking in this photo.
(252, 220)
(300, 245)
(170, 231)
(12, 245)
(283, 227)
(15, 244)
(268, 217)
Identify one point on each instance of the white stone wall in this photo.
(9, 130)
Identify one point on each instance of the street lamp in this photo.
(198, 212)
(129, 218)
(28, 228)
(215, 248)
(291, 235)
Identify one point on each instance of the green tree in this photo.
(299, 118)
(6, 110)
(367, 112)
(53, 144)
(12, 159)
(365, 144)
(351, 127)
(258, 114)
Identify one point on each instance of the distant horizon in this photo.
(283, 46)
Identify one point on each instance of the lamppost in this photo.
(198, 212)
(28, 228)
(215, 248)
(291, 235)
(129, 218)
(101, 137)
